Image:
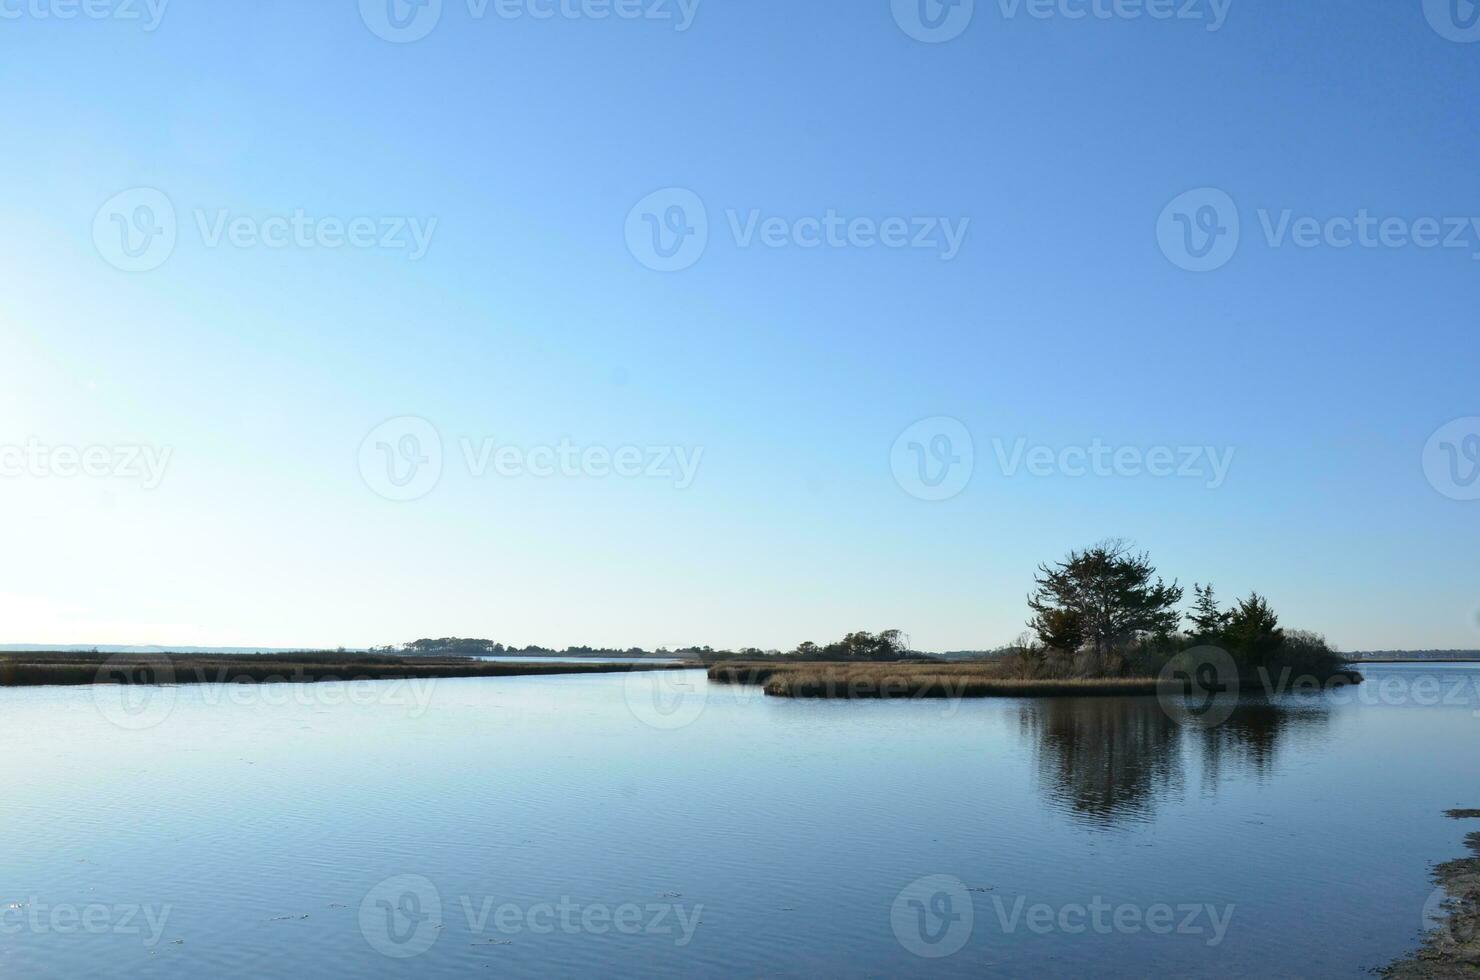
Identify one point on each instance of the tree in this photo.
(1208, 621)
(861, 645)
(1061, 629)
(1254, 630)
(1106, 592)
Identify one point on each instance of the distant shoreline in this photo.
(52, 668)
(884, 680)
(1410, 660)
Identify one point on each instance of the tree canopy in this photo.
(1102, 596)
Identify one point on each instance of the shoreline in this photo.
(48, 669)
(1471, 660)
(1453, 950)
(883, 680)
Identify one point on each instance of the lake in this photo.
(653, 825)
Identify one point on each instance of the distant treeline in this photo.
(458, 646)
(858, 646)
(1415, 655)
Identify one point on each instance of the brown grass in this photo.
(31, 669)
(929, 679)
(749, 673)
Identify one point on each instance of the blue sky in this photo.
(520, 147)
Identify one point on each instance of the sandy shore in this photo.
(1453, 950)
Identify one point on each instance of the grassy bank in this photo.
(32, 669)
(749, 673)
(1453, 950)
(914, 680)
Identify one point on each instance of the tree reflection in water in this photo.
(1111, 761)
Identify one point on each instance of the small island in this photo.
(1103, 623)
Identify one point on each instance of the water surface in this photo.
(290, 830)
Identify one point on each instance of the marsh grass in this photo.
(750, 673)
(912, 679)
(884, 684)
(34, 669)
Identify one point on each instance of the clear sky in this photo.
(235, 337)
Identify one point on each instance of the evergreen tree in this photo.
(1254, 630)
(1208, 621)
(1107, 594)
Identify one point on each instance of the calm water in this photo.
(581, 660)
(303, 831)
